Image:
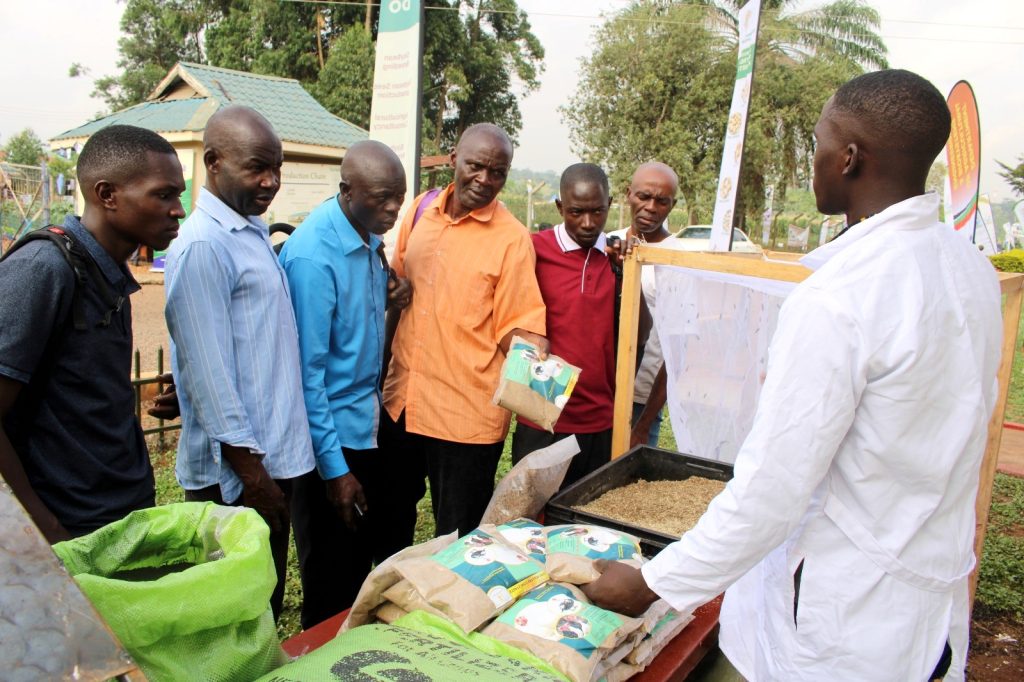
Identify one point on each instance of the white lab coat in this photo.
(862, 463)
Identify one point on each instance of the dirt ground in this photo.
(997, 649)
(997, 643)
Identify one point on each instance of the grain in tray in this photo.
(671, 507)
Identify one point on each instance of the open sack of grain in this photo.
(527, 487)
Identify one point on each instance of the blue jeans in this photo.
(652, 435)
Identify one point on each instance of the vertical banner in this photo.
(395, 110)
(736, 129)
(963, 156)
(985, 235)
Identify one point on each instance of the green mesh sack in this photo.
(186, 588)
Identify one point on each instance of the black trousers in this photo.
(461, 474)
(334, 560)
(595, 449)
(278, 539)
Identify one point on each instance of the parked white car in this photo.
(698, 238)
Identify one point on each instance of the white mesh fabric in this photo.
(715, 329)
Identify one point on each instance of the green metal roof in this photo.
(294, 113)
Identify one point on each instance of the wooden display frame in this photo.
(782, 268)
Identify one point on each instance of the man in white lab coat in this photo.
(845, 537)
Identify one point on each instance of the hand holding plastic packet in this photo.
(533, 388)
(528, 486)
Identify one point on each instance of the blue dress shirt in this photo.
(339, 288)
(234, 350)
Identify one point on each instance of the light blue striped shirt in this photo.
(234, 350)
(339, 288)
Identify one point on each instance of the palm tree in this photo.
(802, 57)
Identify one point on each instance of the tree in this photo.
(479, 55)
(345, 84)
(25, 148)
(1014, 176)
(660, 81)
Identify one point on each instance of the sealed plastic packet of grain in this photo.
(473, 579)
(537, 389)
(556, 623)
(572, 550)
(371, 593)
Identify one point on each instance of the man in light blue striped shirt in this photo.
(234, 344)
(361, 508)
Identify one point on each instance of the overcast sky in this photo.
(943, 40)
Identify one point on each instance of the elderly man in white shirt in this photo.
(846, 536)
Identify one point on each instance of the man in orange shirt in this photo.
(471, 265)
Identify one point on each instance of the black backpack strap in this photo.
(84, 267)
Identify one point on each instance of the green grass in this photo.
(1015, 398)
(1001, 578)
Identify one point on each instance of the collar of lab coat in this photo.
(914, 213)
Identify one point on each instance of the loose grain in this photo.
(670, 507)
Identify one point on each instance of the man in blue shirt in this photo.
(234, 345)
(71, 447)
(360, 508)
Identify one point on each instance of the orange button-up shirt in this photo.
(473, 281)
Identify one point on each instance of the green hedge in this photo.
(1009, 261)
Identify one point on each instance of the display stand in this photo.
(1011, 284)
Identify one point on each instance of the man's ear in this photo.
(211, 160)
(558, 205)
(345, 189)
(851, 160)
(106, 194)
(451, 159)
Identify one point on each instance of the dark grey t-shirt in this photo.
(73, 425)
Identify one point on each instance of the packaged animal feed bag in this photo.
(383, 576)
(670, 625)
(534, 388)
(526, 536)
(473, 579)
(555, 623)
(572, 550)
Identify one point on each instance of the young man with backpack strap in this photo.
(71, 447)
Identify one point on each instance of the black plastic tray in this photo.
(650, 464)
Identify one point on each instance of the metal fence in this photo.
(151, 425)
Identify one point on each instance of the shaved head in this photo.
(231, 126)
(372, 187)
(243, 160)
(370, 161)
(482, 160)
(651, 196)
(656, 170)
(491, 132)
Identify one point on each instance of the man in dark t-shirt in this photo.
(71, 447)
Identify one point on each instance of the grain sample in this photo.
(670, 507)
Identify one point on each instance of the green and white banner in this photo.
(736, 129)
(395, 111)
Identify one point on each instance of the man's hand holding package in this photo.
(620, 588)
